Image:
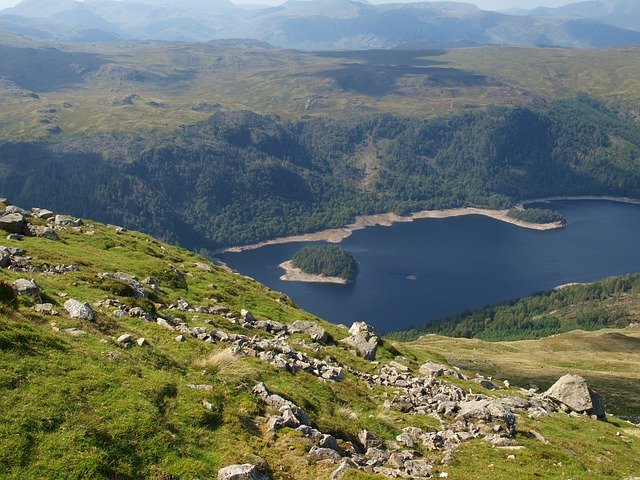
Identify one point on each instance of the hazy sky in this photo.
(486, 4)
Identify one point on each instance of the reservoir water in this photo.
(411, 273)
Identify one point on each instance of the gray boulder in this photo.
(573, 392)
(242, 472)
(364, 340)
(42, 213)
(26, 287)
(77, 309)
(319, 453)
(13, 222)
(125, 340)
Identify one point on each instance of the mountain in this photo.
(123, 357)
(322, 24)
(619, 13)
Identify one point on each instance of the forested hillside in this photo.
(238, 178)
(610, 303)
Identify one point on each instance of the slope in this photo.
(88, 398)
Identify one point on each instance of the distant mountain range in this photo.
(328, 24)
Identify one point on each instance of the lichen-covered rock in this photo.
(242, 472)
(316, 332)
(78, 309)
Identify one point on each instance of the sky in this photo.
(485, 4)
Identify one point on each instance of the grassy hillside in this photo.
(156, 87)
(77, 404)
(612, 302)
(608, 358)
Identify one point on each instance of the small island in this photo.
(537, 215)
(323, 264)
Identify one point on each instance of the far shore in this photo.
(293, 274)
(633, 201)
(337, 235)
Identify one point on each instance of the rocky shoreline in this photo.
(294, 274)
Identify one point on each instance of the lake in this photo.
(411, 273)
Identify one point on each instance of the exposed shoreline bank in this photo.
(633, 201)
(293, 274)
(337, 235)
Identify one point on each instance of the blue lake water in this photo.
(415, 272)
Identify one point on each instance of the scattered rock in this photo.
(142, 342)
(77, 309)
(181, 338)
(242, 472)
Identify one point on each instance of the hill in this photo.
(607, 303)
(326, 260)
(125, 357)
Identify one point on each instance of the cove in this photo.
(415, 272)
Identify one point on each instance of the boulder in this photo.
(572, 392)
(365, 348)
(26, 287)
(77, 309)
(363, 339)
(242, 472)
(125, 340)
(319, 453)
(13, 222)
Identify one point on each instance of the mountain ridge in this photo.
(317, 24)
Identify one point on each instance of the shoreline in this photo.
(293, 274)
(337, 235)
(629, 200)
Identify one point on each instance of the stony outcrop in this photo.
(573, 395)
(364, 340)
(78, 309)
(316, 332)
